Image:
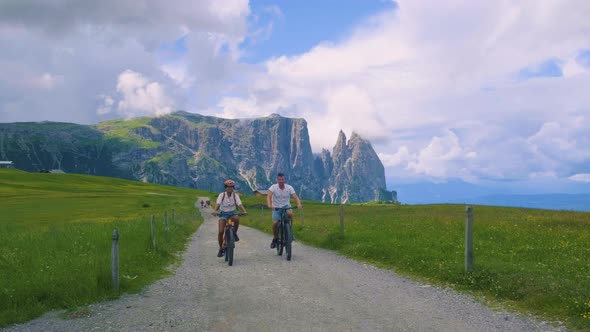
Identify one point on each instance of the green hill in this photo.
(56, 235)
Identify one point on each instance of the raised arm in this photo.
(216, 209)
(297, 200)
(240, 205)
(269, 199)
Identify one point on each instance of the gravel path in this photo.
(317, 291)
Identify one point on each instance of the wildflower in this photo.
(587, 313)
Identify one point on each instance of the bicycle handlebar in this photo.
(286, 208)
(239, 214)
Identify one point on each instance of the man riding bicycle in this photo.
(279, 196)
(226, 207)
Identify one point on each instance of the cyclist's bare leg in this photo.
(236, 221)
(220, 230)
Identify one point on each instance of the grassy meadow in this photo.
(56, 235)
(530, 260)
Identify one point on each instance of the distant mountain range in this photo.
(578, 202)
(460, 192)
(196, 151)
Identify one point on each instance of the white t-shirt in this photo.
(228, 203)
(281, 197)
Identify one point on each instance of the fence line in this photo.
(153, 231)
(166, 229)
(115, 259)
(115, 244)
(342, 219)
(468, 239)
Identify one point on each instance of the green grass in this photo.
(121, 130)
(530, 260)
(56, 235)
(163, 158)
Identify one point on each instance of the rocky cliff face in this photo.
(355, 173)
(192, 150)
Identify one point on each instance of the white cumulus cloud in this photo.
(441, 83)
(56, 57)
(582, 177)
(439, 87)
(141, 96)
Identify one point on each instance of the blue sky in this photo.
(297, 27)
(548, 68)
(489, 93)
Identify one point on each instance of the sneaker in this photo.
(236, 238)
(221, 253)
(273, 244)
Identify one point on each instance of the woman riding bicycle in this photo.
(226, 207)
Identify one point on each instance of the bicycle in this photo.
(285, 233)
(229, 240)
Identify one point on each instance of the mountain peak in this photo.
(355, 136)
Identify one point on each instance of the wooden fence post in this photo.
(166, 223)
(341, 218)
(115, 259)
(469, 239)
(153, 231)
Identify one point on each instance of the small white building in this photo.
(260, 192)
(6, 164)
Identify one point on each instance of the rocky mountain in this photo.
(191, 150)
(355, 172)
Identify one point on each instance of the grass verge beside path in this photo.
(56, 234)
(530, 260)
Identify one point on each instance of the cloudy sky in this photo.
(489, 92)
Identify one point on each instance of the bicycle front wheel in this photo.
(288, 240)
(281, 239)
(229, 250)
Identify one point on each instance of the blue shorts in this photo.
(225, 215)
(276, 215)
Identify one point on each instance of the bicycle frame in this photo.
(229, 226)
(285, 233)
(229, 240)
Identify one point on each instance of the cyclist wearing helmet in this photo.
(279, 196)
(227, 206)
